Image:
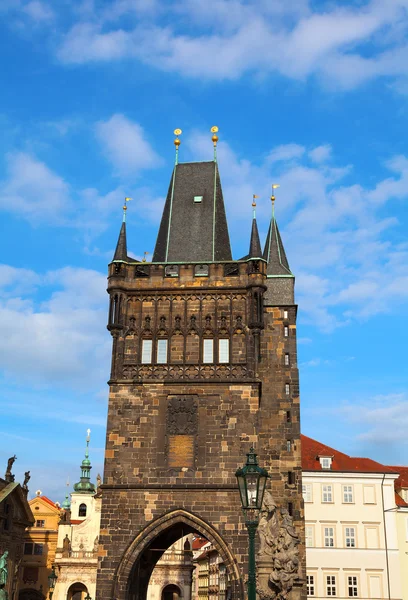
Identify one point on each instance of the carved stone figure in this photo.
(66, 547)
(9, 477)
(98, 481)
(27, 478)
(3, 568)
(279, 542)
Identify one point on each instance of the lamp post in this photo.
(52, 580)
(251, 484)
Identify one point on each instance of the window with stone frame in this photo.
(147, 347)
(352, 586)
(327, 493)
(310, 585)
(328, 537)
(350, 537)
(309, 536)
(331, 585)
(348, 496)
(307, 491)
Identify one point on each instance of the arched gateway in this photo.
(203, 367)
(132, 577)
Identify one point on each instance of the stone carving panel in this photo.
(278, 556)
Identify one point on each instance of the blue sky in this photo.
(312, 95)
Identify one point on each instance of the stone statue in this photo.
(9, 477)
(3, 568)
(96, 543)
(66, 547)
(268, 526)
(279, 543)
(98, 481)
(26, 480)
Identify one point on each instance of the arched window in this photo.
(82, 510)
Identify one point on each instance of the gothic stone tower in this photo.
(203, 367)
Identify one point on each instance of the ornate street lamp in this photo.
(251, 484)
(52, 580)
(87, 597)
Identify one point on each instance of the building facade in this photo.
(15, 516)
(204, 366)
(401, 501)
(351, 527)
(171, 578)
(40, 544)
(76, 559)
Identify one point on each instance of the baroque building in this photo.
(352, 524)
(40, 543)
(76, 558)
(204, 366)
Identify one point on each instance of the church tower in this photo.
(204, 367)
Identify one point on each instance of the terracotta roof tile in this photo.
(400, 501)
(312, 449)
(402, 481)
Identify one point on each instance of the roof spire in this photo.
(255, 250)
(121, 247)
(214, 131)
(177, 143)
(84, 485)
(66, 504)
(274, 252)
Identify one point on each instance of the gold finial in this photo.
(177, 142)
(275, 186)
(214, 131)
(254, 197)
(145, 253)
(125, 208)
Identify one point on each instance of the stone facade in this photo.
(202, 369)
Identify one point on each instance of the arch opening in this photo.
(171, 592)
(147, 549)
(77, 591)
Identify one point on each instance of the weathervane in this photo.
(177, 143)
(275, 186)
(125, 208)
(254, 197)
(214, 131)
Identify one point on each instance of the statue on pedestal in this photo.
(9, 477)
(278, 552)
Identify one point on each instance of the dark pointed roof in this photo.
(274, 252)
(193, 229)
(121, 247)
(255, 250)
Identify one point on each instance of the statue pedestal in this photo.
(263, 570)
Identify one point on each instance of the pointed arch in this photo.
(144, 541)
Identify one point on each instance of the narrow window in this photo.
(147, 352)
(327, 493)
(287, 363)
(82, 510)
(161, 351)
(288, 416)
(352, 586)
(291, 478)
(350, 535)
(223, 351)
(329, 537)
(208, 354)
(288, 445)
(28, 548)
(331, 585)
(287, 389)
(286, 331)
(347, 494)
(309, 535)
(307, 492)
(290, 508)
(285, 314)
(310, 583)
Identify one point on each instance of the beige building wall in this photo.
(402, 526)
(351, 535)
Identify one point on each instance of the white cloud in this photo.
(383, 418)
(125, 145)
(228, 38)
(33, 191)
(61, 340)
(286, 152)
(320, 154)
(38, 11)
